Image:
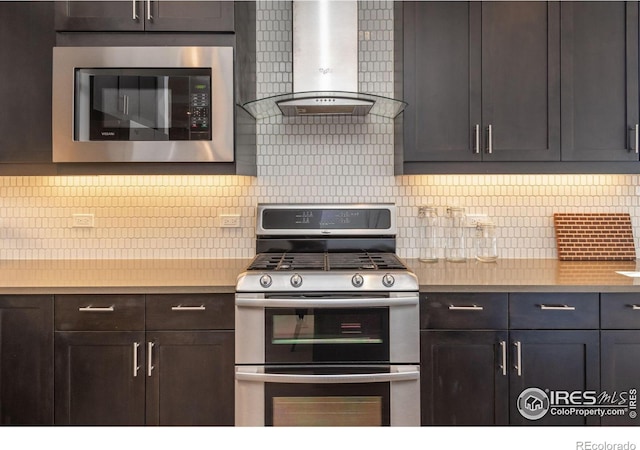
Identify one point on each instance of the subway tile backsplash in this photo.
(314, 160)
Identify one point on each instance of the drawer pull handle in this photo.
(635, 307)
(466, 308)
(188, 308)
(557, 308)
(96, 308)
(503, 366)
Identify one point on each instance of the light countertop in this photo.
(521, 275)
(219, 276)
(160, 276)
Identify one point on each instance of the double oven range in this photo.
(327, 323)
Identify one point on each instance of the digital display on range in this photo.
(326, 219)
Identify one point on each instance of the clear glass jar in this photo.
(429, 233)
(455, 245)
(485, 242)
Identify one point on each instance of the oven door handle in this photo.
(401, 373)
(325, 302)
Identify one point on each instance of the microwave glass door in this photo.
(142, 104)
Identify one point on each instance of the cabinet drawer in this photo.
(190, 312)
(99, 312)
(620, 311)
(554, 311)
(463, 311)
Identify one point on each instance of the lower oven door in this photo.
(328, 395)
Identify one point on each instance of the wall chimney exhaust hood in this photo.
(325, 67)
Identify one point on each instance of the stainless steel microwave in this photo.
(143, 104)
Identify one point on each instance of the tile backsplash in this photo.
(315, 160)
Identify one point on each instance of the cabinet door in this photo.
(599, 81)
(139, 15)
(464, 378)
(100, 16)
(190, 16)
(620, 353)
(553, 360)
(26, 42)
(100, 378)
(190, 378)
(441, 81)
(26, 360)
(521, 81)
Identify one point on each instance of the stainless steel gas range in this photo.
(327, 321)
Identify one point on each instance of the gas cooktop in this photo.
(325, 261)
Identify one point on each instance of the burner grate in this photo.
(326, 261)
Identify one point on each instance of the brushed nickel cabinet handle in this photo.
(635, 307)
(90, 308)
(476, 148)
(136, 367)
(149, 16)
(518, 365)
(134, 9)
(503, 349)
(490, 139)
(637, 139)
(557, 308)
(188, 308)
(150, 366)
(466, 308)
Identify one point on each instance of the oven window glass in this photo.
(328, 404)
(327, 335)
(142, 104)
(348, 411)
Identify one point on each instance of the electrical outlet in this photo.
(83, 221)
(230, 221)
(472, 220)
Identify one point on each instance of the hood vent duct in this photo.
(325, 67)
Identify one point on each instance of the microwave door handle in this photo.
(405, 373)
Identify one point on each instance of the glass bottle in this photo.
(455, 246)
(486, 245)
(428, 216)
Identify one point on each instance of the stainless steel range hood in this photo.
(325, 67)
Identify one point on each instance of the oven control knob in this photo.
(296, 280)
(265, 281)
(357, 280)
(388, 280)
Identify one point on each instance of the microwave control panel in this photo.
(200, 108)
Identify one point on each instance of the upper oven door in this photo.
(326, 335)
(143, 104)
(330, 328)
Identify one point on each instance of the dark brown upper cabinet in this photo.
(482, 80)
(599, 71)
(145, 15)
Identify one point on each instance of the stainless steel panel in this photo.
(219, 149)
(325, 46)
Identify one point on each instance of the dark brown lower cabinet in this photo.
(144, 360)
(100, 378)
(191, 378)
(553, 360)
(26, 360)
(462, 380)
(620, 360)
